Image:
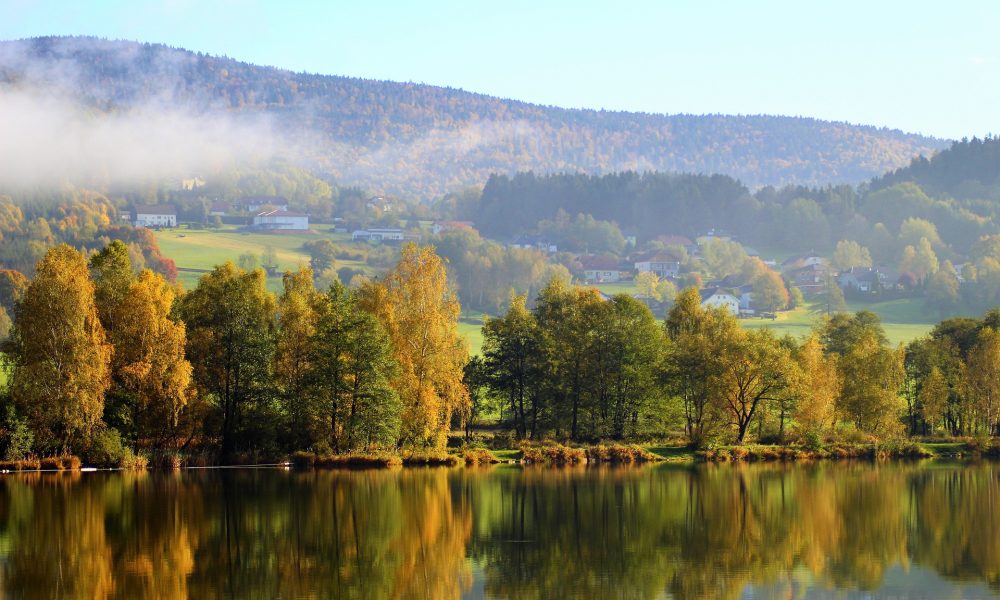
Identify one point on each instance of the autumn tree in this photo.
(872, 376)
(647, 284)
(150, 376)
(230, 343)
(420, 313)
(982, 379)
(59, 353)
(849, 253)
(818, 387)
(933, 398)
(769, 291)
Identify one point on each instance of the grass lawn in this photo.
(206, 248)
(903, 319)
(470, 326)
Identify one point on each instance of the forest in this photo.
(423, 141)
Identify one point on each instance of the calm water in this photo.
(896, 531)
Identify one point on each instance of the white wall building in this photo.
(158, 215)
(716, 298)
(281, 220)
(378, 235)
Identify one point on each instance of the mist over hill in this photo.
(86, 107)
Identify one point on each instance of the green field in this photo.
(204, 249)
(903, 320)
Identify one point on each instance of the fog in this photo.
(48, 138)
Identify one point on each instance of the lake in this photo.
(827, 530)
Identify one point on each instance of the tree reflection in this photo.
(702, 532)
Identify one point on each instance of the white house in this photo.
(281, 220)
(219, 209)
(156, 215)
(378, 235)
(600, 269)
(663, 266)
(717, 297)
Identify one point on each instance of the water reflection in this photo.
(708, 532)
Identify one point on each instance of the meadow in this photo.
(203, 249)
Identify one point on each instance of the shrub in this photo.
(133, 462)
(812, 440)
(618, 453)
(69, 462)
(430, 458)
(51, 463)
(479, 456)
(106, 449)
(357, 461)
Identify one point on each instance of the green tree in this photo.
(511, 356)
(351, 373)
(755, 370)
(693, 367)
(230, 343)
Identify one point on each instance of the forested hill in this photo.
(968, 170)
(422, 140)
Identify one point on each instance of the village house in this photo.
(376, 234)
(719, 298)
(662, 264)
(155, 215)
(255, 204)
(803, 260)
(600, 269)
(219, 209)
(863, 279)
(280, 220)
(810, 278)
(530, 242)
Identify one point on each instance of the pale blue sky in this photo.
(927, 67)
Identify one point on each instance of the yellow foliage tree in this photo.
(59, 353)
(818, 387)
(149, 358)
(420, 314)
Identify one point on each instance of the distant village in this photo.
(671, 260)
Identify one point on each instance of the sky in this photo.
(920, 66)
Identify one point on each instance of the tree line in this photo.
(577, 367)
(101, 357)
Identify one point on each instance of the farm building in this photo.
(281, 220)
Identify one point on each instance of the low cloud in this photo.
(47, 138)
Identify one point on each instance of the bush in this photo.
(618, 453)
(51, 463)
(17, 436)
(133, 462)
(553, 454)
(106, 449)
(430, 458)
(479, 456)
(812, 441)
